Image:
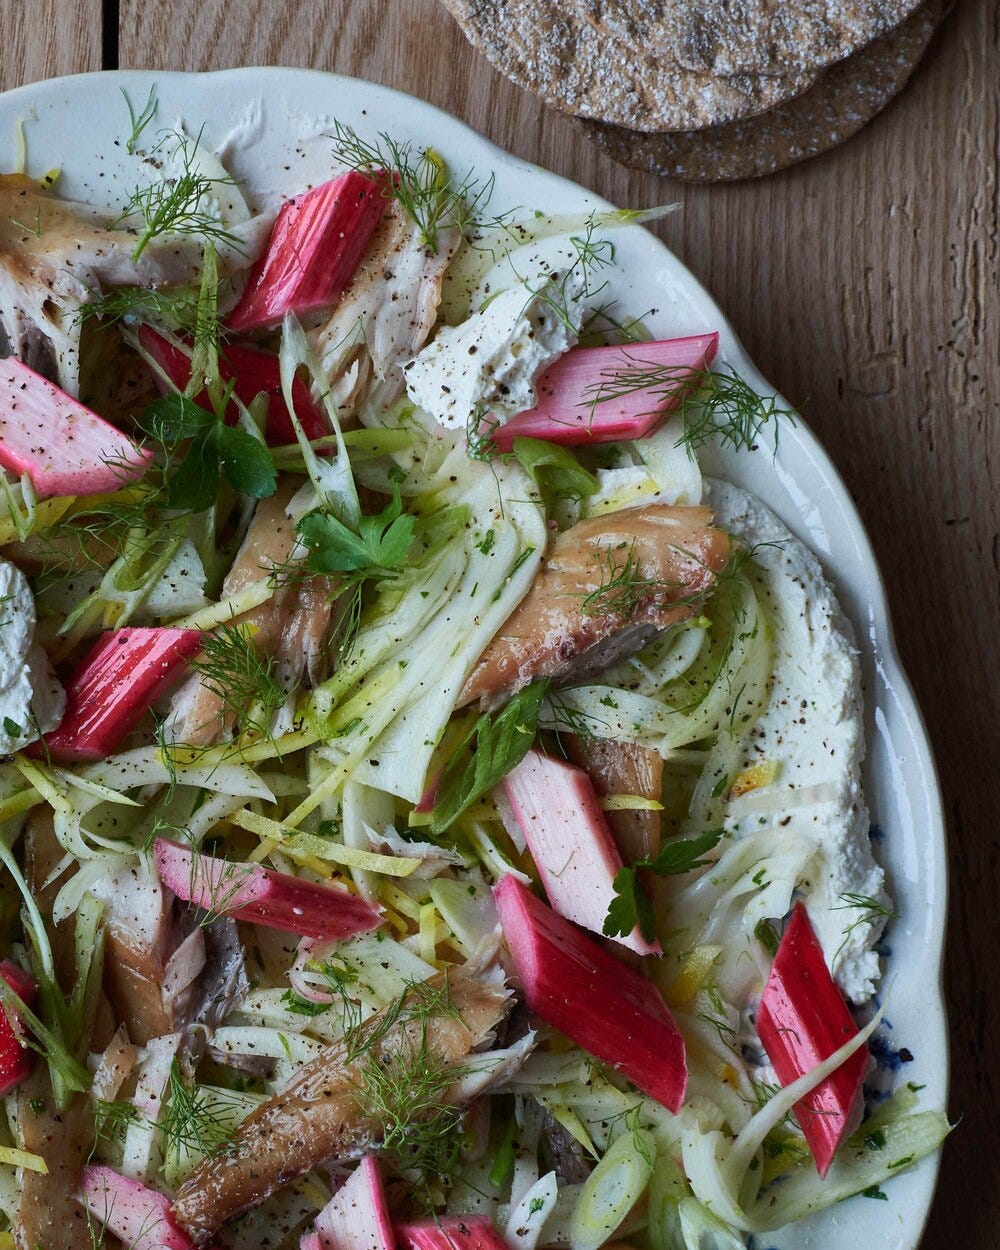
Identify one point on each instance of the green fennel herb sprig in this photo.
(175, 309)
(872, 910)
(189, 1123)
(419, 181)
(716, 404)
(623, 590)
(174, 204)
(404, 1087)
(241, 678)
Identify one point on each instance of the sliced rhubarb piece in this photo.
(261, 896)
(315, 246)
(802, 1020)
(62, 446)
(356, 1217)
(139, 1217)
(566, 412)
(582, 990)
(450, 1232)
(114, 687)
(558, 811)
(15, 1057)
(254, 373)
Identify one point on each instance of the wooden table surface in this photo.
(865, 286)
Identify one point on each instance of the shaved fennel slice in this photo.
(364, 808)
(526, 1222)
(856, 1167)
(145, 766)
(719, 1170)
(494, 582)
(702, 1230)
(192, 157)
(141, 1154)
(667, 457)
(332, 477)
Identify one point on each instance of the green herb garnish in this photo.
(214, 451)
(375, 551)
(871, 909)
(501, 742)
(631, 905)
(419, 181)
(140, 120)
(175, 204)
(622, 590)
(716, 405)
(243, 679)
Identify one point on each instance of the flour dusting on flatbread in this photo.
(656, 65)
(840, 102)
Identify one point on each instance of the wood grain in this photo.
(45, 38)
(864, 283)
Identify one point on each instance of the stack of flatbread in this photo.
(707, 90)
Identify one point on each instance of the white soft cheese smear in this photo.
(31, 699)
(812, 726)
(494, 358)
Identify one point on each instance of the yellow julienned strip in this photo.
(46, 514)
(39, 777)
(395, 919)
(22, 1159)
(238, 752)
(402, 902)
(694, 974)
(427, 928)
(221, 613)
(7, 1242)
(292, 840)
(629, 803)
(22, 801)
(303, 858)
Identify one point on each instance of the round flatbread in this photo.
(842, 100)
(655, 65)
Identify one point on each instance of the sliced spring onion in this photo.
(613, 1189)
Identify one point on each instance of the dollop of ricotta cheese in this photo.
(812, 728)
(494, 357)
(31, 699)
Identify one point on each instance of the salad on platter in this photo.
(431, 812)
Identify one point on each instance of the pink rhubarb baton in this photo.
(802, 1020)
(261, 896)
(140, 1218)
(451, 1232)
(315, 247)
(559, 813)
(62, 446)
(582, 990)
(15, 1057)
(254, 373)
(114, 687)
(567, 413)
(356, 1217)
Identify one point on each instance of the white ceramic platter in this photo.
(271, 123)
